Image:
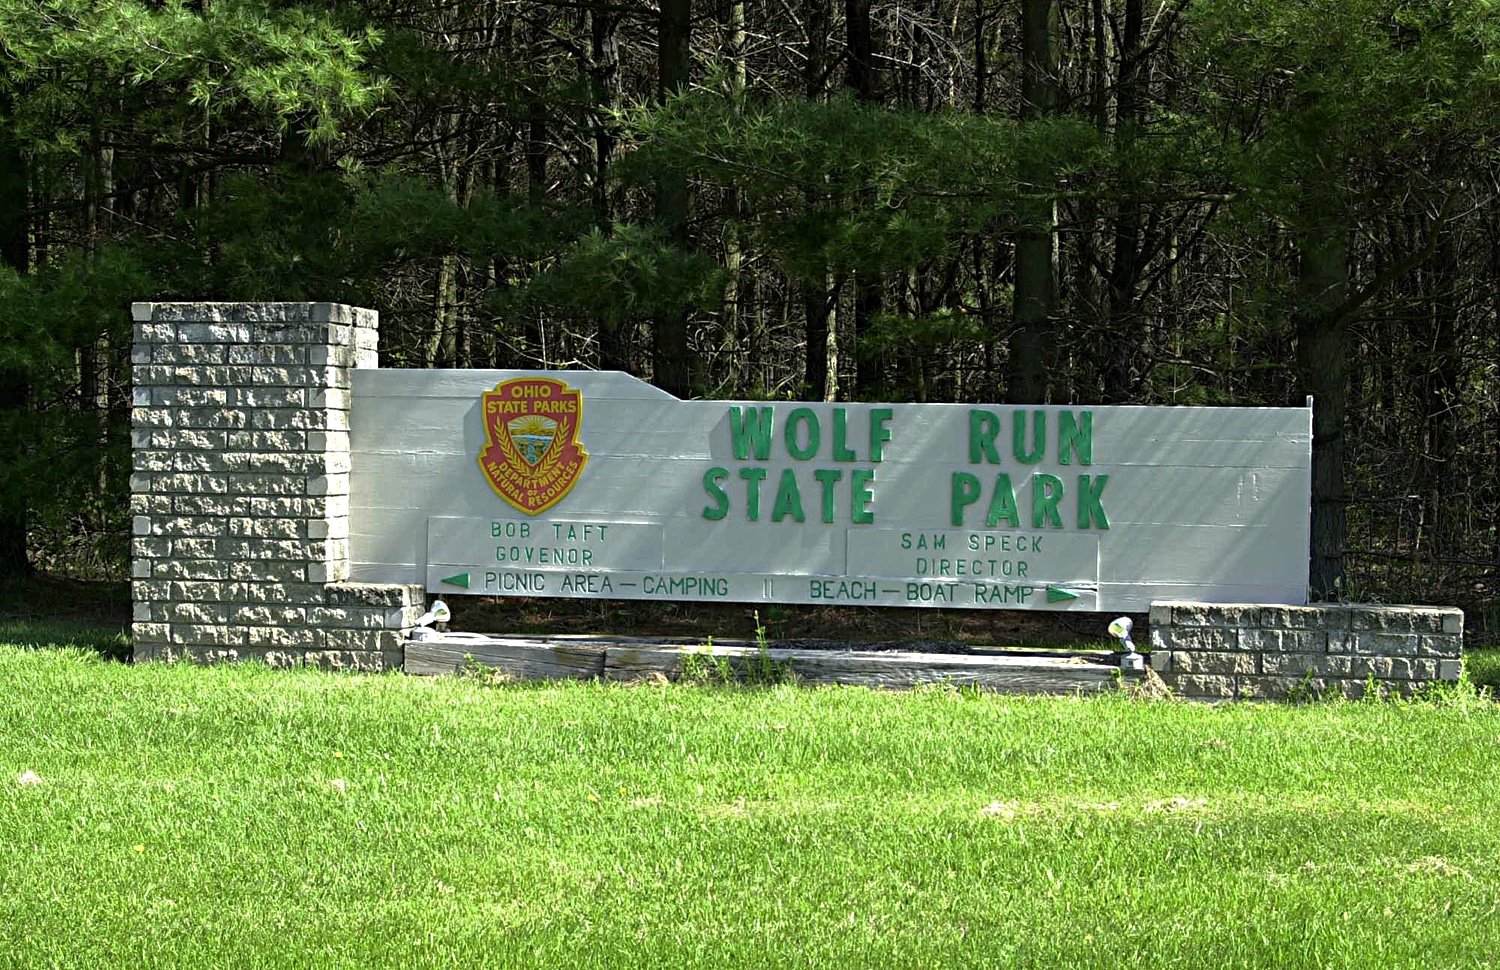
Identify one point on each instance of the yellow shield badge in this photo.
(532, 457)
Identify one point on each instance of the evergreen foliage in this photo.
(1218, 201)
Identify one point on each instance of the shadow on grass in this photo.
(46, 612)
(1483, 668)
(111, 643)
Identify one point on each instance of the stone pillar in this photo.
(1218, 652)
(240, 488)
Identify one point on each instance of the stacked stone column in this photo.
(1220, 652)
(240, 488)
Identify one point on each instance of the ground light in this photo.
(1120, 627)
(439, 616)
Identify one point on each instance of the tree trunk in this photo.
(537, 149)
(1035, 285)
(1322, 279)
(869, 288)
(819, 299)
(820, 303)
(604, 78)
(981, 58)
(1127, 330)
(861, 49)
(1447, 497)
(735, 278)
(831, 388)
(869, 368)
(298, 151)
(669, 350)
(442, 342)
(14, 387)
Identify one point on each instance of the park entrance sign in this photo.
(597, 485)
(293, 504)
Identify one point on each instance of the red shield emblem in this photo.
(533, 456)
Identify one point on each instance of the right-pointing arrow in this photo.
(1057, 595)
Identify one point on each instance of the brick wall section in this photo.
(240, 488)
(1265, 651)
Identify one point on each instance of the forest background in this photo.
(1237, 202)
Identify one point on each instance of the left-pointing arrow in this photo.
(462, 579)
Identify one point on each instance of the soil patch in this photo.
(801, 627)
(44, 597)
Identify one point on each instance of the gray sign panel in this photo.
(589, 484)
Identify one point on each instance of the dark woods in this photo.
(1093, 201)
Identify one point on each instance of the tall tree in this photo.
(669, 359)
(1211, 168)
(868, 289)
(1320, 324)
(1031, 342)
(1310, 163)
(1126, 322)
(15, 255)
(605, 84)
(742, 343)
(820, 288)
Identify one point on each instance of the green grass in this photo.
(241, 817)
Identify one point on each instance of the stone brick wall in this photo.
(1263, 651)
(240, 488)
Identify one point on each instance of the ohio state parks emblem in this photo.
(533, 456)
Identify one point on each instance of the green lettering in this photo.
(1038, 436)
(753, 477)
(1089, 494)
(841, 450)
(1046, 492)
(711, 480)
(751, 427)
(788, 498)
(879, 433)
(983, 427)
(1075, 434)
(827, 477)
(963, 492)
(859, 486)
(1003, 504)
(814, 433)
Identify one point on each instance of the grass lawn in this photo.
(240, 817)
